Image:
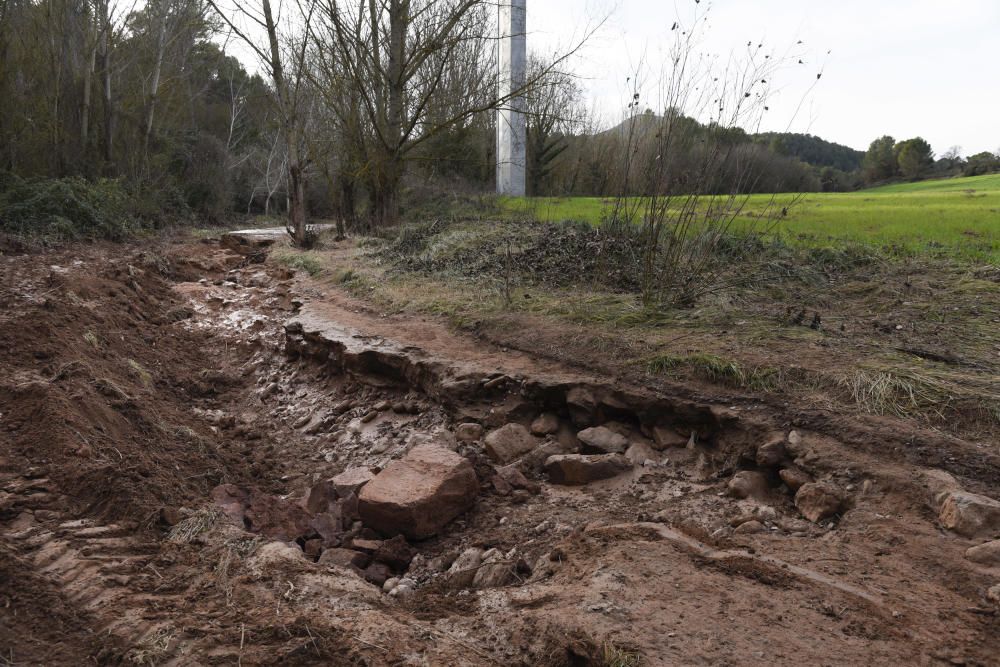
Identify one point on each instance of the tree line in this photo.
(349, 109)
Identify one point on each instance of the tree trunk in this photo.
(109, 112)
(154, 87)
(88, 76)
(296, 179)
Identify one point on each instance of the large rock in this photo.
(748, 484)
(417, 495)
(508, 443)
(985, 554)
(818, 501)
(578, 469)
(603, 439)
(351, 481)
(354, 560)
(970, 514)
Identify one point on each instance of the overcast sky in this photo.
(899, 67)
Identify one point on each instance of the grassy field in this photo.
(953, 217)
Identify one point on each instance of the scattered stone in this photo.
(603, 439)
(369, 416)
(496, 570)
(748, 484)
(545, 424)
(535, 459)
(581, 404)
(772, 453)
(382, 406)
(322, 497)
(313, 548)
(389, 584)
(640, 453)
(469, 432)
(399, 407)
(377, 573)
(367, 546)
(501, 485)
(993, 594)
(795, 478)
(351, 481)
(520, 496)
(818, 501)
(508, 443)
(329, 526)
(985, 554)
(665, 437)
(302, 421)
(579, 469)
(463, 571)
(396, 553)
(766, 513)
(940, 484)
(970, 514)
(794, 438)
(516, 479)
(417, 495)
(749, 528)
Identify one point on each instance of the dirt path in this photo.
(148, 396)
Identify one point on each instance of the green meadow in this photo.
(957, 217)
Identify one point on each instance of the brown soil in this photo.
(133, 382)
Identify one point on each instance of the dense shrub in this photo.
(66, 209)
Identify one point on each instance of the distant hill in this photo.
(812, 150)
(804, 147)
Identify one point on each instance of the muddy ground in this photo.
(143, 389)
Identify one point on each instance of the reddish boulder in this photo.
(818, 501)
(351, 481)
(509, 442)
(419, 494)
(970, 514)
(345, 558)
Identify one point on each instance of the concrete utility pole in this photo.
(511, 129)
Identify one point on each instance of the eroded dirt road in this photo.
(171, 421)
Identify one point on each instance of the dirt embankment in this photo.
(174, 425)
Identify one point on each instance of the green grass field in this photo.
(957, 217)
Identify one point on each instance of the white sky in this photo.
(899, 67)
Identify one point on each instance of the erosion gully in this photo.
(678, 539)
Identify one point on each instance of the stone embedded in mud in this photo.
(545, 424)
(512, 476)
(641, 453)
(993, 594)
(818, 501)
(985, 554)
(603, 439)
(329, 526)
(749, 527)
(795, 478)
(345, 558)
(579, 469)
(497, 569)
(748, 484)
(313, 548)
(322, 497)
(463, 570)
(396, 553)
(970, 514)
(581, 404)
(469, 432)
(351, 481)
(232, 500)
(419, 494)
(772, 453)
(665, 437)
(377, 573)
(509, 442)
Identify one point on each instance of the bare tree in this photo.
(416, 69)
(287, 90)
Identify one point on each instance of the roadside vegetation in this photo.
(957, 217)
